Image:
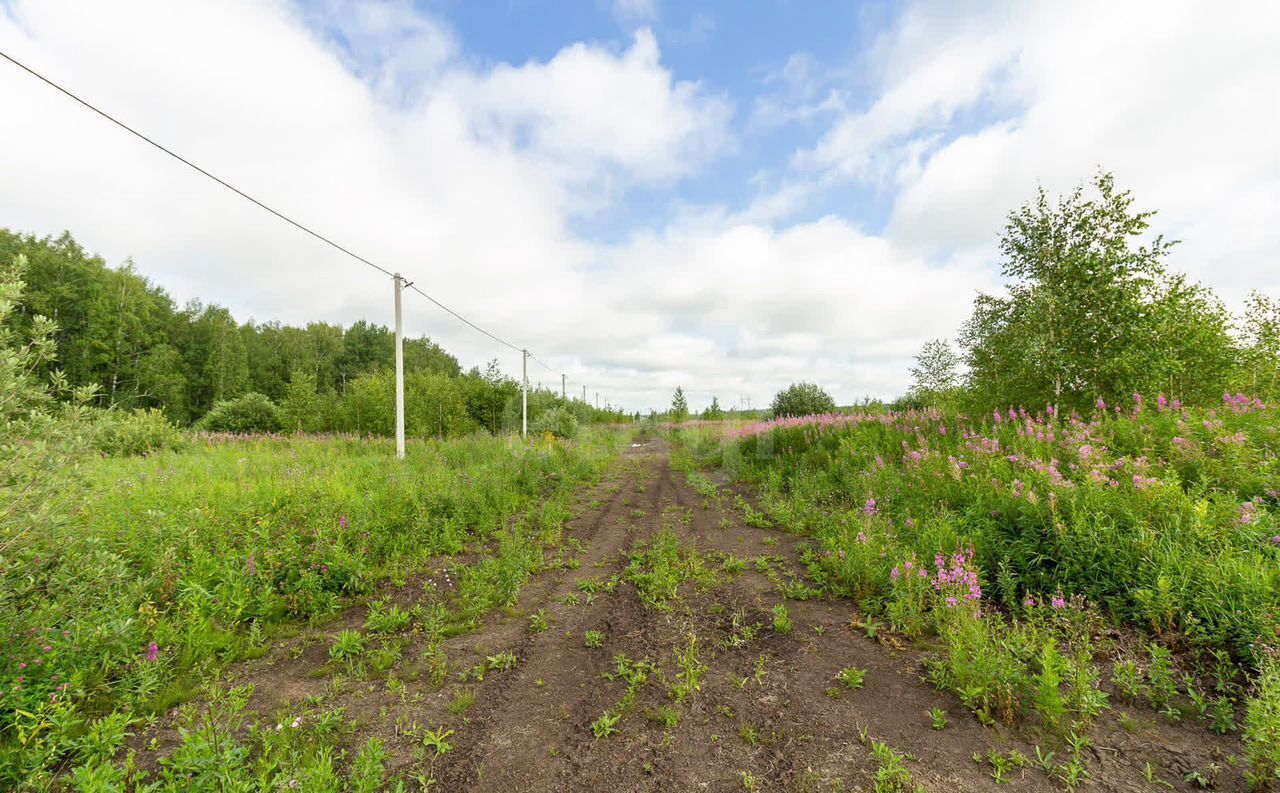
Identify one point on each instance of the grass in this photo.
(182, 562)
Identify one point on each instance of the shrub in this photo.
(802, 399)
(557, 421)
(243, 415)
(120, 433)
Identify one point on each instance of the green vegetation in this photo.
(801, 399)
(125, 337)
(176, 563)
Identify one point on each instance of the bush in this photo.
(802, 399)
(557, 421)
(244, 415)
(121, 433)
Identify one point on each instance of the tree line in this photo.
(196, 363)
(1092, 314)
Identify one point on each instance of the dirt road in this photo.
(714, 691)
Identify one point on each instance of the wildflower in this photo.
(342, 522)
(1029, 601)
(1275, 540)
(1248, 512)
(895, 573)
(951, 601)
(1057, 602)
(152, 651)
(862, 538)
(869, 508)
(296, 722)
(1101, 404)
(1085, 451)
(1161, 402)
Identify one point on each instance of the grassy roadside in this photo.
(179, 563)
(1058, 567)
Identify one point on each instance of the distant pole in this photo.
(562, 384)
(597, 400)
(524, 394)
(399, 370)
(584, 395)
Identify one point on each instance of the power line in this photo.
(246, 196)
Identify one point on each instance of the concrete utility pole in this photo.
(399, 370)
(597, 400)
(562, 391)
(524, 394)
(584, 395)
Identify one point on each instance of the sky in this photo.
(724, 196)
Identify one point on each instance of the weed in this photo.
(502, 661)
(937, 719)
(593, 639)
(606, 725)
(462, 701)
(665, 715)
(538, 622)
(382, 618)
(437, 740)
(781, 619)
(690, 668)
(1261, 737)
(851, 677)
(347, 646)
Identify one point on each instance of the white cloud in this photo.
(1177, 98)
(469, 185)
(369, 122)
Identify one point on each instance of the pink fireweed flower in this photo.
(1275, 540)
(895, 573)
(1248, 512)
(152, 652)
(1058, 602)
(951, 601)
(1161, 403)
(1101, 405)
(342, 522)
(1029, 601)
(862, 538)
(869, 508)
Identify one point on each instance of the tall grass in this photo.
(179, 562)
(1166, 518)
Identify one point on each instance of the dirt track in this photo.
(770, 714)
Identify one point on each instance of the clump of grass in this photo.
(593, 639)
(1261, 738)
(781, 619)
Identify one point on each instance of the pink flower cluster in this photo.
(907, 568)
(1239, 403)
(956, 576)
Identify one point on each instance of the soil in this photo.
(770, 714)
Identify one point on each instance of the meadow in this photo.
(1050, 564)
(171, 566)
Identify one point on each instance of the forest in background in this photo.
(127, 336)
